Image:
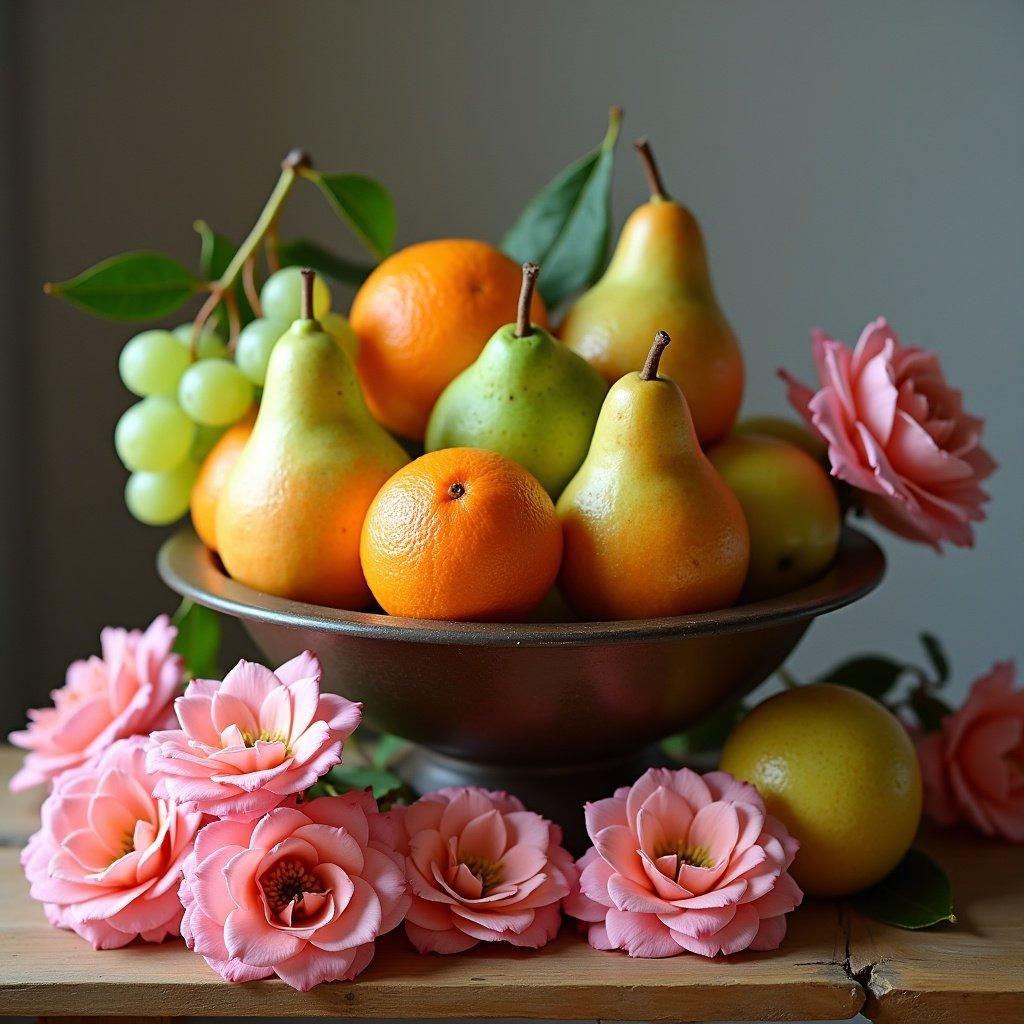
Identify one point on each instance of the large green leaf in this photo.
(198, 639)
(344, 777)
(566, 227)
(300, 252)
(916, 894)
(872, 674)
(365, 205)
(133, 286)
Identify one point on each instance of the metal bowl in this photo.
(550, 711)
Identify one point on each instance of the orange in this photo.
(213, 474)
(423, 316)
(462, 534)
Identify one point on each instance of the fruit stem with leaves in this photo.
(292, 166)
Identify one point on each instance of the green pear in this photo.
(658, 279)
(526, 397)
(289, 518)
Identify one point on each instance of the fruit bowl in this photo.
(554, 712)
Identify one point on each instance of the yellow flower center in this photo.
(694, 856)
(288, 881)
(487, 871)
(265, 736)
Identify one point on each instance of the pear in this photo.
(790, 506)
(526, 397)
(658, 277)
(289, 517)
(650, 528)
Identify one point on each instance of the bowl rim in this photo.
(190, 569)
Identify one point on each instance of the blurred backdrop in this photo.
(846, 160)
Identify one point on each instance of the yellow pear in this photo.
(650, 528)
(658, 278)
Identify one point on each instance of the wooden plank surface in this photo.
(832, 964)
(46, 972)
(19, 812)
(971, 971)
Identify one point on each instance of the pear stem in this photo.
(308, 280)
(523, 326)
(650, 370)
(654, 182)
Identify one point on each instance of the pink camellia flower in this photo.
(482, 869)
(898, 433)
(125, 692)
(248, 743)
(107, 861)
(973, 767)
(681, 862)
(302, 893)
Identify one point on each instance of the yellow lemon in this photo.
(841, 774)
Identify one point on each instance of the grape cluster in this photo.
(188, 403)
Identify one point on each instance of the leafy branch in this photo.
(143, 286)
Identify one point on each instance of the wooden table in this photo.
(832, 965)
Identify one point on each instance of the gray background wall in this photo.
(846, 159)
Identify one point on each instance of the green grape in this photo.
(154, 435)
(341, 331)
(214, 392)
(205, 439)
(160, 498)
(281, 296)
(210, 345)
(152, 363)
(255, 343)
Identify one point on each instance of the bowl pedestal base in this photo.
(558, 792)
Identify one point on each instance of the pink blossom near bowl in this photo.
(898, 433)
(973, 766)
(107, 861)
(127, 691)
(302, 893)
(248, 743)
(684, 862)
(482, 869)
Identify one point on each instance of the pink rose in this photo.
(126, 692)
(482, 869)
(973, 767)
(107, 861)
(685, 862)
(302, 893)
(248, 743)
(898, 433)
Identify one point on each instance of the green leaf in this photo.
(215, 253)
(343, 778)
(872, 674)
(709, 734)
(930, 710)
(937, 656)
(364, 204)
(133, 286)
(916, 894)
(388, 749)
(301, 252)
(566, 227)
(198, 639)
